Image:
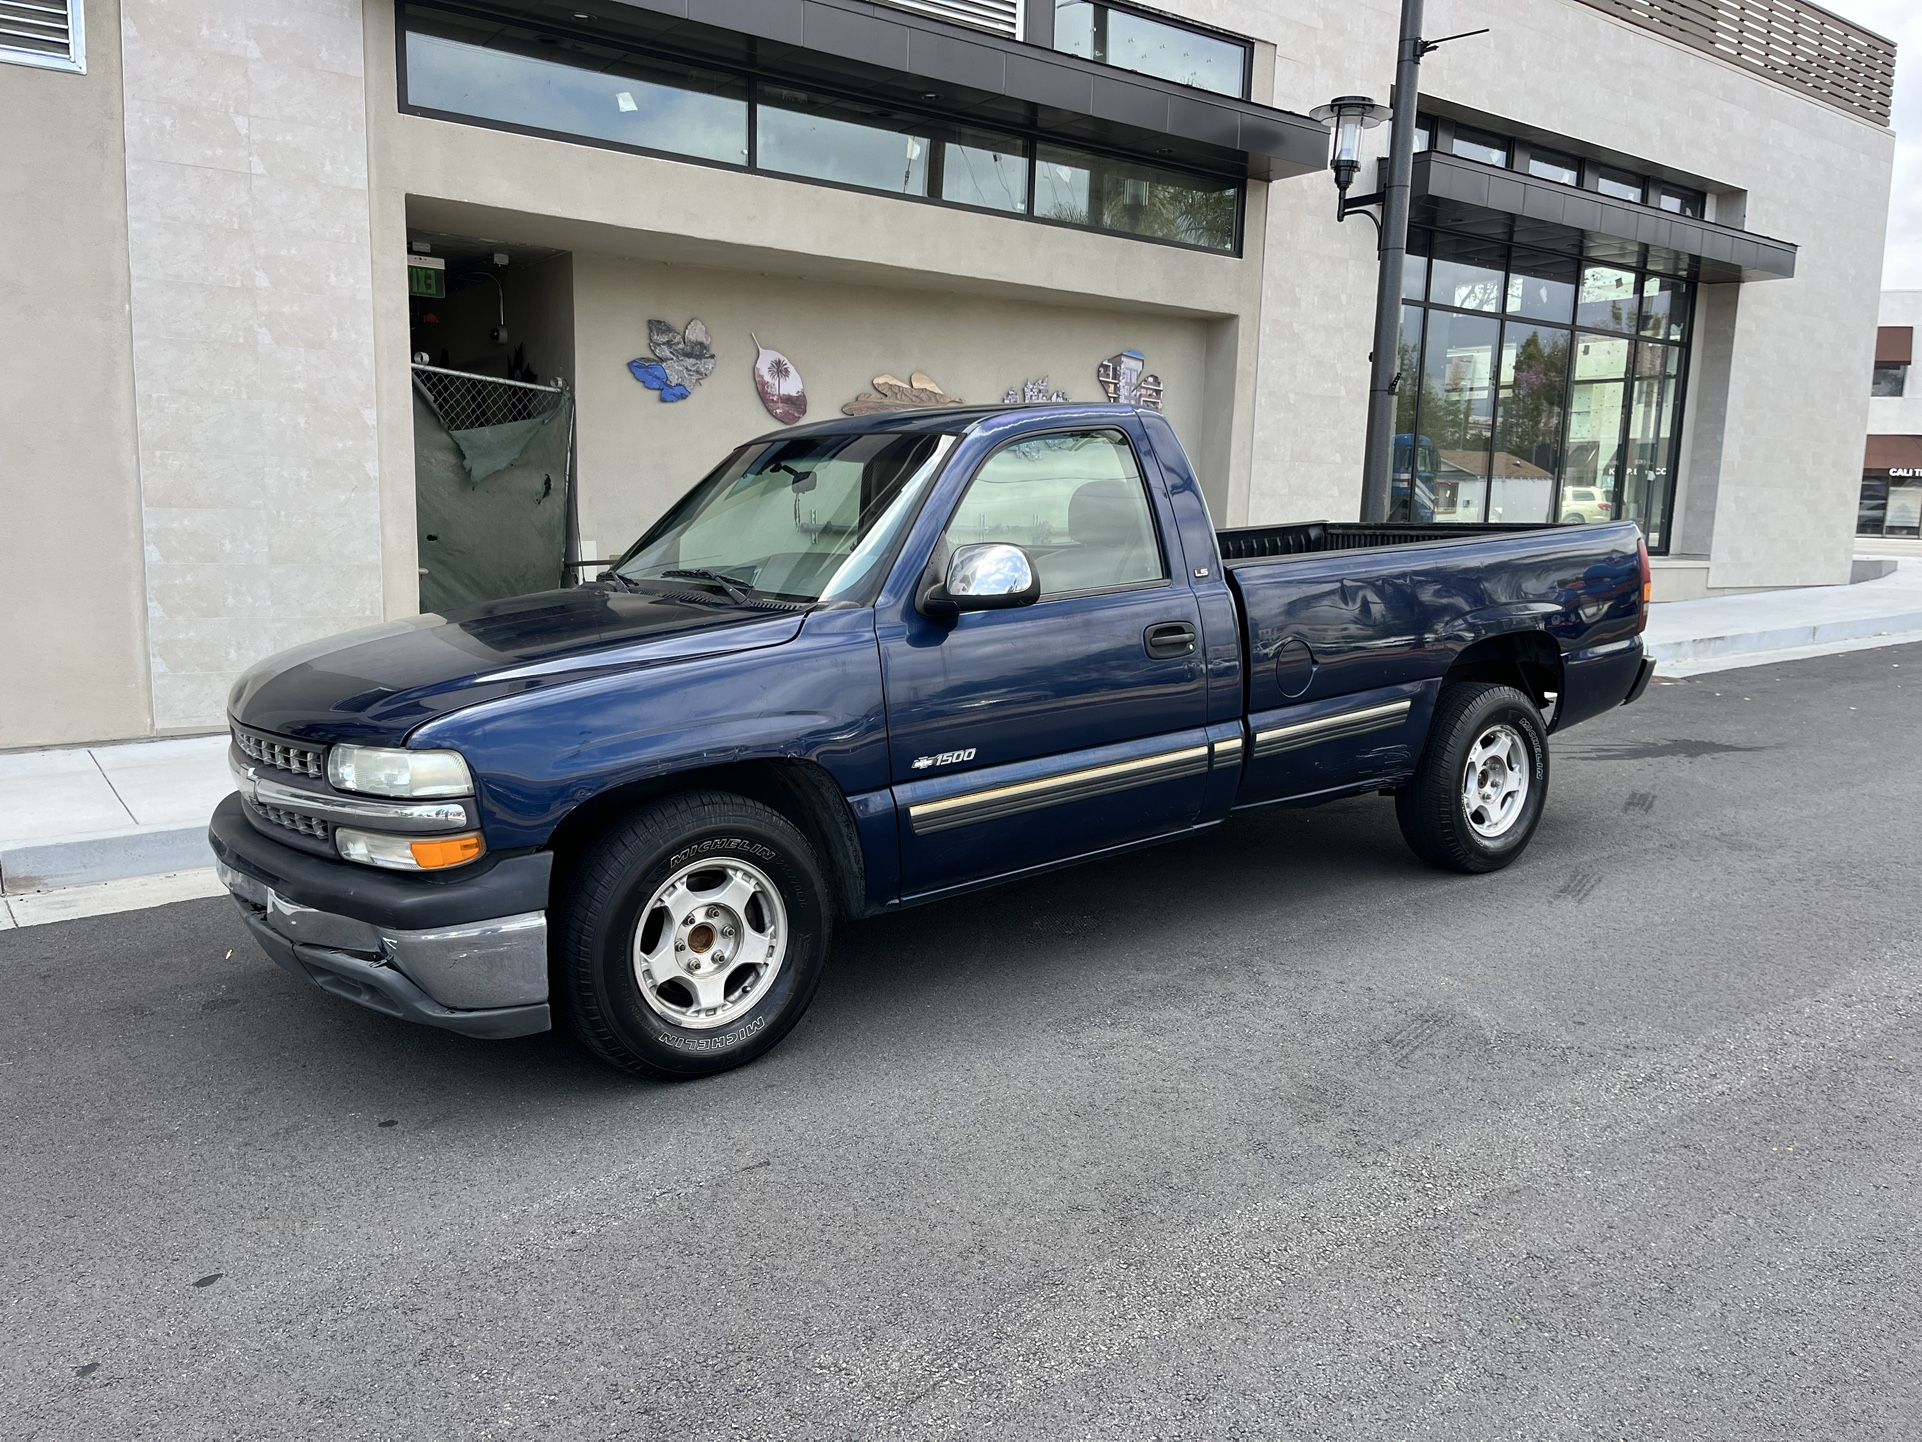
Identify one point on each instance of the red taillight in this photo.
(1648, 581)
(1604, 507)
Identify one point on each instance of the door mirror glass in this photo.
(991, 576)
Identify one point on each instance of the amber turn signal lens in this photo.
(445, 851)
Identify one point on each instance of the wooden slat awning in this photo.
(1893, 453)
(1894, 345)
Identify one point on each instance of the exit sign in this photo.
(427, 276)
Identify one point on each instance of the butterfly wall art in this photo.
(678, 359)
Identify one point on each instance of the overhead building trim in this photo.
(912, 57)
(1466, 195)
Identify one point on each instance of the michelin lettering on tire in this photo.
(714, 1043)
(722, 843)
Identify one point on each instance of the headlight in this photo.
(384, 771)
(408, 853)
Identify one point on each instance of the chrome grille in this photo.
(287, 756)
(296, 821)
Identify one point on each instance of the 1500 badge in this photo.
(945, 758)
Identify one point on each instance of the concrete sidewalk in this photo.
(1713, 633)
(72, 820)
(98, 813)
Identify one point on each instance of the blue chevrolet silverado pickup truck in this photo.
(869, 663)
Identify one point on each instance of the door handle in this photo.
(1166, 640)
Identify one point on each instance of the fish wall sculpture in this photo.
(890, 394)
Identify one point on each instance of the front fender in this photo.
(538, 757)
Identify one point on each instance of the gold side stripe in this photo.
(1392, 711)
(1050, 783)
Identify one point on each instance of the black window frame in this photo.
(1622, 176)
(1440, 132)
(1030, 138)
(1487, 140)
(1684, 196)
(1158, 17)
(1423, 239)
(1163, 549)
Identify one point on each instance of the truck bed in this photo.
(1307, 538)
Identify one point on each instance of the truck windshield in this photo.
(804, 520)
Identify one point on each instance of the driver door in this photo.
(1031, 735)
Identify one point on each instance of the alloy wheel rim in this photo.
(709, 943)
(1495, 781)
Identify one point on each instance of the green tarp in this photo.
(492, 505)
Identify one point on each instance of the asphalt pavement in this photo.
(1273, 1133)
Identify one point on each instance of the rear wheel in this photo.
(692, 936)
(1477, 796)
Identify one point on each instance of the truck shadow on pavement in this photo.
(175, 1005)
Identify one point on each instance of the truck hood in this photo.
(380, 683)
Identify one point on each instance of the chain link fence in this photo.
(465, 402)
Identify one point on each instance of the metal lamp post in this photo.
(1347, 117)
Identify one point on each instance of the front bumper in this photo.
(469, 955)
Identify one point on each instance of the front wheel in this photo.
(1477, 796)
(692, 936)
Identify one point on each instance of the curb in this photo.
(1786, 638)
(111, 856)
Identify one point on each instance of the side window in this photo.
(1075, 502)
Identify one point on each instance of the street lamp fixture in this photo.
(1347, 116)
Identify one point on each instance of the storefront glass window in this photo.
(572, 88)
(1890, 504)
(1154, 47)
(1621, 185)
(1458, 408)
(1479, 145)
(1665, 303)
(826, 139)
(563, 85)
(1541, 286)
(985, 170)
(1134, 199)
(1647, 484)
(1563, 405)
(801, 134)
(1530, 415)
(1414, 467)
(1678, 201)
(1608, 300)
(1872, 507)
(1553, 165)
(1466, 274)
(1597, 404)
(1904, 514)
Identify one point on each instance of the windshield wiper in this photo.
(616, 580)
(736, 588)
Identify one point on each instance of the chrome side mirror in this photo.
(990, 576)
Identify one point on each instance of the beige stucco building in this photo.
(1646, 278)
